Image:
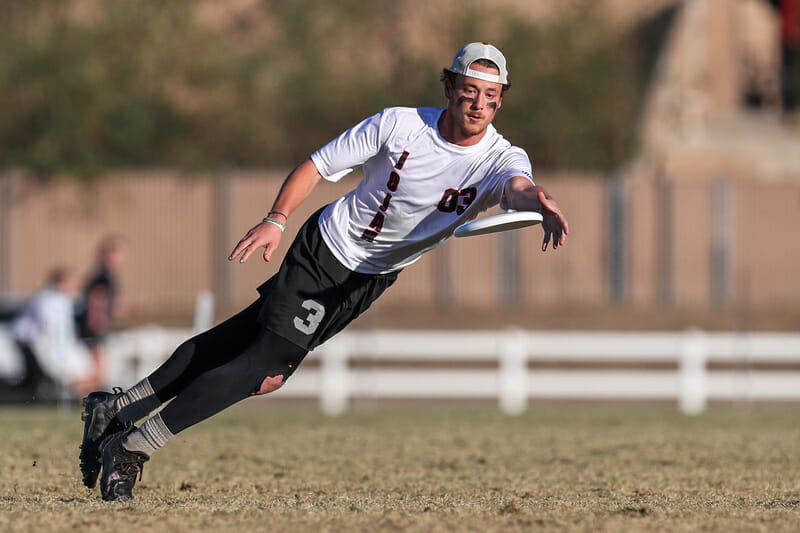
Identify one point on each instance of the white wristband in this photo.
(275, 222)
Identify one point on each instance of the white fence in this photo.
(514, 366)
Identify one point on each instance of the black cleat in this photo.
(120, 468)
(98, 422)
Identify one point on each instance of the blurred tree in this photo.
(147, 83)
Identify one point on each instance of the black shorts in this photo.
(313, 296)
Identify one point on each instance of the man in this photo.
(44, 332)
(427, 171)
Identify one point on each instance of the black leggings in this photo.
(220, 367)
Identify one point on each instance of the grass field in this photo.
(556, 468)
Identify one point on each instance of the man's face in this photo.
(473, 103)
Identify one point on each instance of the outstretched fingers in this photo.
(264, 234)
(555, 224)
(552, 230)
(240, 247)
(243, 248)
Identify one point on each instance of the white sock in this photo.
(137, 402)
(151, 436)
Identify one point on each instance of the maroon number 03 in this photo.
(455, 200)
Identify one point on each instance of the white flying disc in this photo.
(501, 222)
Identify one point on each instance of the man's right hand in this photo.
(265, 234)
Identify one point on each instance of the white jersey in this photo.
(418, 187)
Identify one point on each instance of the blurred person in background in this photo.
(427, 171)
(99, 302)
(44, 332)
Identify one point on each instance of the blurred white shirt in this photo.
(47, 324)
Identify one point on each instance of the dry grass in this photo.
(557, 468)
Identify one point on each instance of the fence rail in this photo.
(514, 366)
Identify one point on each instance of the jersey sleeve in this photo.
(352, 148)
(514, 163)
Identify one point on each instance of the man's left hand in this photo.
(554, 222)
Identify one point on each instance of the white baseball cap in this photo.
(475, 51)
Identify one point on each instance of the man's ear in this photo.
(448, 90)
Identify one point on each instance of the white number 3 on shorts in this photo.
(309, 324)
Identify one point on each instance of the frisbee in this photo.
(501, 222)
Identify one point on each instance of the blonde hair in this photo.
(57, 275)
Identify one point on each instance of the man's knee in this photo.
(270, 384)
